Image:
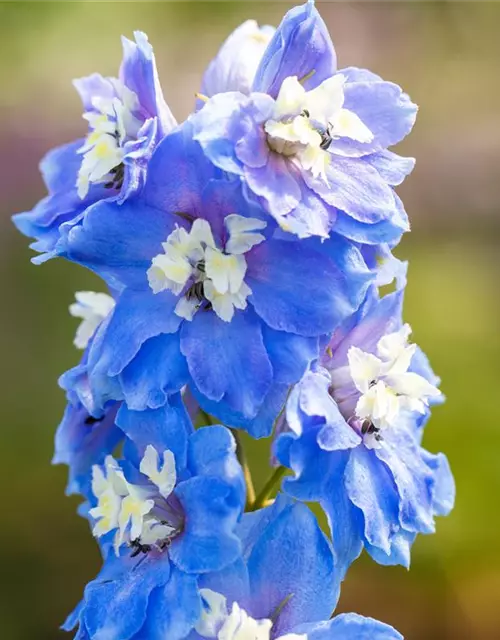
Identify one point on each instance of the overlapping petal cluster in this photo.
(242, 252)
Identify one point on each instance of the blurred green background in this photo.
(446, 55)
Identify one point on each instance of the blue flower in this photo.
(209, 293)
(163, 518)
(354, 438)
(310, 142)
(286, 589)
(127, 116)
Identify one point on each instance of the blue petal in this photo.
(164, 428)
(258, 426)
(81, 443)
(173, 609)
(400, 551)
(315, 401)
(253, 523)
(391, 167)
(385, 231)
(278, 270)
(137, 316)
(444, 487)
(63, 205)
(292, 560)
(290, 354)
(138, 72)
(116, 601)
(382, 107)
(234, 66)
(91, 86)
(212, 452)
(381, 317)
(320, 477)
(277, 184)
(349, 626)
(300, 46)
(158, 369)
(370, 487)
(354, 187)
(413, 479)
(208, 542)
(228, 359)
(226, 119)
(231, 582)
(118, 242)
(177, 174)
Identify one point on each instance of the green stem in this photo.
(242, 459)
(271, 484)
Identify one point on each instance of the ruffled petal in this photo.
(116, 601)
(118, 242)
(173, 609)
(356, 188)
(370, 488)
(138, 72)
(300, 46)
(166, 428)
(82, 441)
(382, 106)
(208, 542)
(158, 369)
(349, 626)
(228, 359)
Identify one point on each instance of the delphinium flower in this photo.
(127, 116)
(355, 425)
(209, 292)
(243, 252)
(286, 589)
(310, 142)
(162, 521)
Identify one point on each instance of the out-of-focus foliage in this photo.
(446, 55)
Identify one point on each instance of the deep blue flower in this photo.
(210, 293)
(165, 513)
(354, 438)
(310, 142)
(286, 589)
(127, 116)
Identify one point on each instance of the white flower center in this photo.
(216, 622)
(193, 267)
(92, 307)
(140, 512)
(384, 388)
(112, 123)
(305, 123)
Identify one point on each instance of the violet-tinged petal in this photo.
(300, 46)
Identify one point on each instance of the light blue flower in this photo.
(236, 63)
(163, 518)
(286, 589)
(127, 116)
(354, 438)
(209, 293)
(310, 142)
